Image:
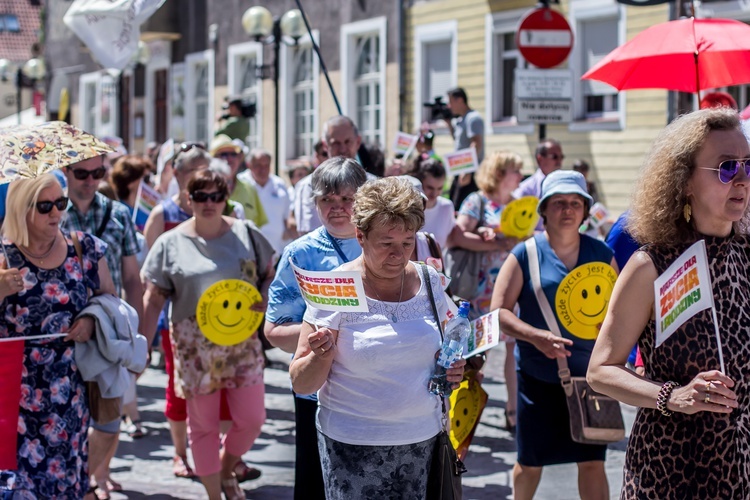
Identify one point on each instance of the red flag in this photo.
(11, 367)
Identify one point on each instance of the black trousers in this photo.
(308, 475)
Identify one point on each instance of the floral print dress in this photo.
(491, 261)
(53, 419)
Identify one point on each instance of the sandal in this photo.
(136, 430)
(181, 468)
(231, 489)
(243, 472)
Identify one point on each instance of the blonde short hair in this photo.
(22, 196)
(493, 169)
(389, 202)
(659, 198)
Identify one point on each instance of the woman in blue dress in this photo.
(43, 287)
(543, 428)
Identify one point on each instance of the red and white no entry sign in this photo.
(544, 38)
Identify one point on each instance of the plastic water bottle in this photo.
(456, 332)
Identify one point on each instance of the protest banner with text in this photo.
(332, 290)
(463, 161)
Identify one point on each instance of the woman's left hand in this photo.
(455, 374)
(82, 330)
(261, 305)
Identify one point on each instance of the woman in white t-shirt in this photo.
(439, 217)
(377, 422)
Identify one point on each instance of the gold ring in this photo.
(707, 399)
(322, 350)
(708, 386)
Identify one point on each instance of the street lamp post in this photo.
(26, 76)
(259, 23)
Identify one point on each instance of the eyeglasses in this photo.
(82, 174)
(554, 156)
(227, 154)
(728, 169)
(187, 146)
(45, 207)
(203, 197)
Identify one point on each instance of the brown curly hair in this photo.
(390, 201)
(656, 214)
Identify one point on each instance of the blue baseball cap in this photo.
(564, 182)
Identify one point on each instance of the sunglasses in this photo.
(203, 197)
(729, 169)
(227, 154)
(554, 156)
(187, 146)
(83, 174)
(45, 207)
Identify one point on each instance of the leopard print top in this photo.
(706, 455)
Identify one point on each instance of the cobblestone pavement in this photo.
(144, 466)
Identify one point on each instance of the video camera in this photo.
(247, 108)
(438, 110)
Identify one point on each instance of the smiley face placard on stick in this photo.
(582, 298)
(519, 217)
(223, 312)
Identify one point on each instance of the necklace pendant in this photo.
(394, 318)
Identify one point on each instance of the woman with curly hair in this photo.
(689, 439)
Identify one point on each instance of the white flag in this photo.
(110, 28)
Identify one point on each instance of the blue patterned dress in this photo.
(54, 416)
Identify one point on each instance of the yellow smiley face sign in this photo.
(582, 298)
(223, 312)
(467, 404)
(519, 217)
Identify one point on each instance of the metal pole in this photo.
(276, 64)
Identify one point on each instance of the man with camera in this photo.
(234, 122)
(467, 129)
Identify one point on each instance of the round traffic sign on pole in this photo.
(544, 38)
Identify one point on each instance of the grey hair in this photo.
(337, 121)
(221, 167)
(189, 157)
(336, 175)
(258, 153)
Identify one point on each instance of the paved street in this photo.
(144, 466)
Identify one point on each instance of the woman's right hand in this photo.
(321, 342)
(551, 345)
(11, 282)
(708, 391)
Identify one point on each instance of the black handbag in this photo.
(594, 417)
(444, 478)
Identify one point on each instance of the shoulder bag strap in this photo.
(336, 246)
(261, 272)
(428, 285)
(432, 244)
(549, 316)
(105, 220)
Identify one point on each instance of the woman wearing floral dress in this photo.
(43, 286)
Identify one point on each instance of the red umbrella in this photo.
(687, 55)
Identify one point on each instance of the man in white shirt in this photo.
(341, 138)
(273, 195)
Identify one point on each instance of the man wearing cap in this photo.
(273, 194)
(242, 191)
(235, 125)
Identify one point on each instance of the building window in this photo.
(9, 23)
(200, 101)
(437, 77)
(435, 67)
(248, 85)
(363, 61)
(367, 89)
(199, 91)
(509, 58)
(598, 38)
(304, 103)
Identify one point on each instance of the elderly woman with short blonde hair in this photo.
(375, 410)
